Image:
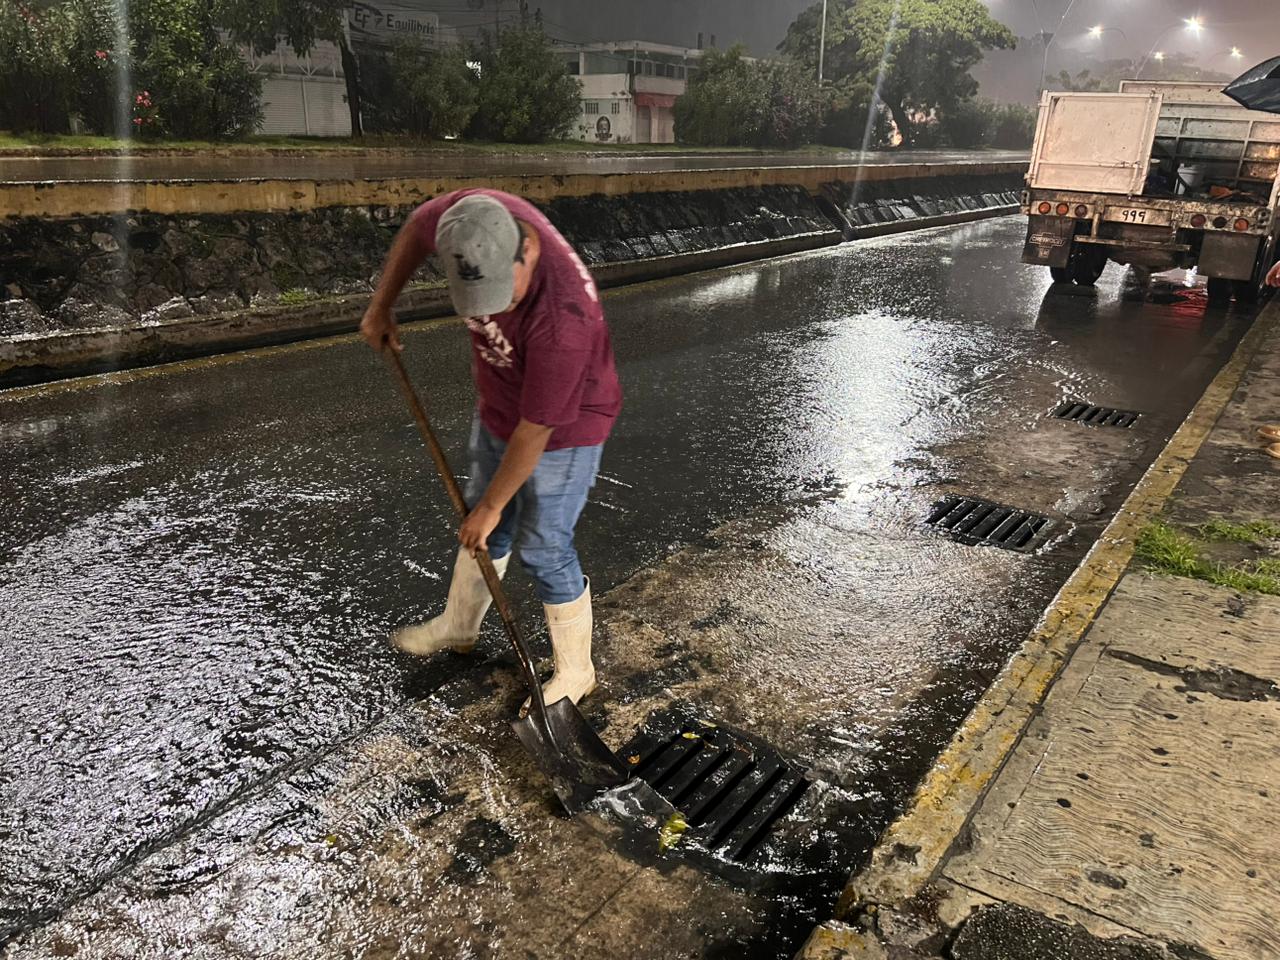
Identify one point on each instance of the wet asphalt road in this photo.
(446, 163)
(200, 563)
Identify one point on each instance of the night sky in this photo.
(1253, 25)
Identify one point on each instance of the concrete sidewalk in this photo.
(1116, 797)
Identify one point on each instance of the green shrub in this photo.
(734, 102)
(97, 64)
(201, 87)
(1015, 127)
(419, 91)
(524, 94)
(984, 123)
(35, 85)
(970, 123)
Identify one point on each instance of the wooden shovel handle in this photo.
(487, 570)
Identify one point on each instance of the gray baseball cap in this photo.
(477, 239)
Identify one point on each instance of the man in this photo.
(548, 396)
(1273, 277)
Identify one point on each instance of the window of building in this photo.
(616, 107)
(648, 68)
(679, 73)
(591, 108)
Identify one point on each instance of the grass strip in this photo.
(1162, 548)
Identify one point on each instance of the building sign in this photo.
(383, 22)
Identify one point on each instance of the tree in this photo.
(914, 54)
(301, 23)
(1082, 82)
(421, 91)
(525, 95)
(732, 101)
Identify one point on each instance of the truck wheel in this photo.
(1220, 290)
(1246, 291)
(1087, 266)
(1060, 274)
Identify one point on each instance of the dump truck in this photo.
(1158, 176)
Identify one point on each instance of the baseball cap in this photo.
(477, 239)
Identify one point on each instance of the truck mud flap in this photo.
(1230, 256)
(1048, 241)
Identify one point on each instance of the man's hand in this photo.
(476, 528)
(1273, 277)
(379, 329)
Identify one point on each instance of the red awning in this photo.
(655, 100)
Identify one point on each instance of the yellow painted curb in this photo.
(99, 197)
(912, 850)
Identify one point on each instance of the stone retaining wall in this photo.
(99, 272)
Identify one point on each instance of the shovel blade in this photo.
(581, 768)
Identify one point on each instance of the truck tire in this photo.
(1246, 291)
(1087, 265)
(1220, 290)
(1060, 274)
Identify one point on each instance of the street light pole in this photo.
(1048, 42)
(1194, 24)
(822, 43)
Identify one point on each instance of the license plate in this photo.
(1140, 216)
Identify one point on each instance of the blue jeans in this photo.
(542, 514)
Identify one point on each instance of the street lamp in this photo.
(1096, 33)
(1194, 24)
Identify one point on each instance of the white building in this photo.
(302, 96)
(629, 89)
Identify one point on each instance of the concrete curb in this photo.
(45, 357)
(100, 197)
(913, 849)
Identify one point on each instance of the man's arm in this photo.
(524, 450)
(407, 254)
(1273, 277)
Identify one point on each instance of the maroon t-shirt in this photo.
(548, 361)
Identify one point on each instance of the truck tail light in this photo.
(1064, 209)
(1199, 220)
(1082, 211)
(1045, 208)
(1242, 225)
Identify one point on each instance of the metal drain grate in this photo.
(981, 522)
(731, 789)
(1087, 413)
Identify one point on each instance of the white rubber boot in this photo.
(458, 627)
(570, 626)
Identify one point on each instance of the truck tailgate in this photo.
(1094, 142)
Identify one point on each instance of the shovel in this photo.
(583, 771)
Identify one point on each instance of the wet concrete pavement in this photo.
(337, 165)
(213, 745)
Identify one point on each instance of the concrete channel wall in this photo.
(204, 268)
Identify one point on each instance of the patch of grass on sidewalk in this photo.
(1163, 548)
(1255, 531)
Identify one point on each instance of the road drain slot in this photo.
(983, 523)
(1094, 416)
(732, 789)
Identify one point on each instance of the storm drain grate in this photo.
(981, 522)
(1094, 416)
(731, 790)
